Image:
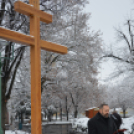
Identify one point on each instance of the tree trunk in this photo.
(3, 103)
(67, 111)
(75, 112)
(4, 118)
(124, 113)
(56, 114)
(67, 115)
(61, 113)
(3, 110)
(45, 114)
(7, 70)
(2, 12)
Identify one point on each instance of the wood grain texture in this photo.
(16, 37)
(32, 11)
(36, 127)
(53, 47)
(35, 44)
(35, 79)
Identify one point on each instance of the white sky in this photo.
(105, 15)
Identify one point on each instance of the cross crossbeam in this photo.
(16, 37)
(30, 10)
(29, 40)
(50, 46)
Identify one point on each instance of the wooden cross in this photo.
(35, 44)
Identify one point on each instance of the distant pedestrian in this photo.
(102, 123)
(117, 123)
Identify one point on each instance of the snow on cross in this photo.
(35, 43)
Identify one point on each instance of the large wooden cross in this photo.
(35, 44)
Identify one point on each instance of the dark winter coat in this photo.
(118, 121)
(100, 125)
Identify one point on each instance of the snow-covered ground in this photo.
(15, 132)
(127, 123)
(82, 123)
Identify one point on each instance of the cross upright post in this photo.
(35, 44)
(35, 73)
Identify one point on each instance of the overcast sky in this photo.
(105, 15)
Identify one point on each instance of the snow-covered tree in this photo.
(120, 90)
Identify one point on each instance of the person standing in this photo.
(101, 123)
(117, 122)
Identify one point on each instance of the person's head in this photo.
(104, 110)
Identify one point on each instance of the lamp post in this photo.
(1, 130)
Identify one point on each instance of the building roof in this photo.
(91, 108)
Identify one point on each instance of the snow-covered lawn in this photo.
(82, 123)
(15, 132)
(127, 123)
